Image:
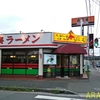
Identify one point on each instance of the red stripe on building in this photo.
(29, 45)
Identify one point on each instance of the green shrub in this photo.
(55, 91)
(35, 89)
(4, 88)
(14, 88)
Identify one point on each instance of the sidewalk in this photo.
(78, 85)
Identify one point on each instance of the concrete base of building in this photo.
(40, 77)
(19, 76)
(81, 75)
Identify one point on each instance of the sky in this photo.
(47, 15)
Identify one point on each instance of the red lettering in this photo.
(35, 40)
(26, 39)
(10, 39)
(18, 39)
(1, 40)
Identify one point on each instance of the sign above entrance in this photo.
(89, 20)
(70, 38)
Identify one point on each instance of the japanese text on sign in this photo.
(10, 39)
(70, 37)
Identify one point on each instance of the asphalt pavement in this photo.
(13, 95)
(76, 85)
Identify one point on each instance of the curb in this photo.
(43, 90)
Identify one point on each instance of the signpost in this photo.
(88, 20)
(83, 21)
(82, 56)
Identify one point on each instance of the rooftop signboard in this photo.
(69, 38)
(88, 20)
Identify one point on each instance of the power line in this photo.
(90, 27)
(86, 7)
(90, 7)
(97, 2)
(98, 19)
(93, 8)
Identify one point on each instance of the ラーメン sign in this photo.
(69, 37)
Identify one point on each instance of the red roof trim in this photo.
(29, 45)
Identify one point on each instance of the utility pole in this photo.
(91, 30)
(82, 56)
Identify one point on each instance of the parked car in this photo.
(98, 64)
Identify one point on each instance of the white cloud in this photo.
(50, 15)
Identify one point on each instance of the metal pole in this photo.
(88, 41)
(93, 51)
(93, 57)
(82, 33)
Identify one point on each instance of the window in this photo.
(20, 56)
(74, 60)
(32, 57)
(7, 57)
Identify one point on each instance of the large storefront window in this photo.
(68, 65)
(75, 61)
(20, 61)
(32, 57)
(48, 70)
(7, 57)
(19, 57)
(74, 65)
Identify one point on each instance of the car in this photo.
(98, 64)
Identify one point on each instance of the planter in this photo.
(88, 73)
(49, 74)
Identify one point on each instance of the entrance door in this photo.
(65, 66)
(62, 65)
(62, 69)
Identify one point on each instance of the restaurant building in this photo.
(41, 54)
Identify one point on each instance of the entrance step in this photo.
(65, 77)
